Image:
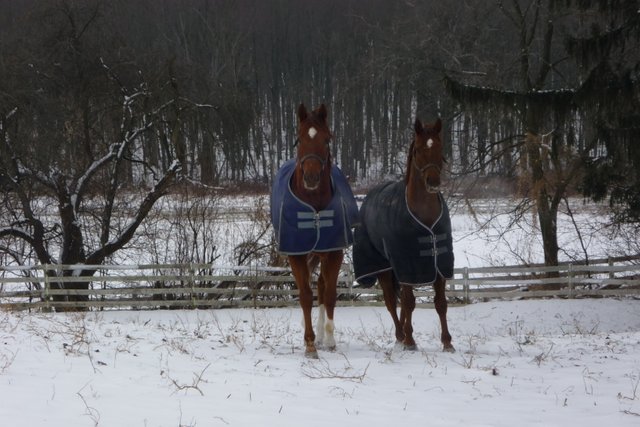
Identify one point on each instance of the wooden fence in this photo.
(173, 286)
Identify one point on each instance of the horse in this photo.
(312, 212)
(404, 236)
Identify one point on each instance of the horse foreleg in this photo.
(302, 277)
(329, 271)
(322, 311)
(440, 301)
(408, 304)
(312, 262)
(388, 286)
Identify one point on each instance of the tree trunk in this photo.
(546, 207)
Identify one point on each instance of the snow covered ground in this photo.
(485, 233)
(525, 363)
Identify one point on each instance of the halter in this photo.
(425, 167)
(306, 157)
(322, 161)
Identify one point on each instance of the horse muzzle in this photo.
(311, 173)
(311, 182)
(432, 184)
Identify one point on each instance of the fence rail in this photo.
(172, 286)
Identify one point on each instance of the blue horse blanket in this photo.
(299, 229)
(389, 237)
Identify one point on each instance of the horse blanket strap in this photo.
(389, 237)
(299, 229)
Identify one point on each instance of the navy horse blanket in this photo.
(390, 237)
(299, 229)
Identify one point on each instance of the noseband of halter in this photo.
(423, 169)
(314, 156)
(323, 162)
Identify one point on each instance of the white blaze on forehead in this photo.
(312, 132)
(429, 143)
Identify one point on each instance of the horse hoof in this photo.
(449, 349)
(329, 344)
(311, 354)
(327, 347)
(410, 347)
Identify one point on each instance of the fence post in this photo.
(192, 282)
(570, 279)
(465, 284)
(46, 287)
(350, 279)
(253, 268)
(611, 273)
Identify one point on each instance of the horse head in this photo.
(425, 155)
(314, 156)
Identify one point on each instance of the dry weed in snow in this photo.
(546, 362)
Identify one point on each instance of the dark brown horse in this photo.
(312, 209)
(404, 236)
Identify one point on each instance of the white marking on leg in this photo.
(312, 132)
(321, 323)
(329, 340)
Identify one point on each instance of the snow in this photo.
(484, 232)
(538, 362)
(527, 363)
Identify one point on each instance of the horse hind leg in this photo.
(327, 290)
(440, 301)
(320, 323)
(312, 262)
(408, 304)
(325, 331)
(325, 328)
(389, 291)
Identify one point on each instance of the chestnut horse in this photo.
(404, 236)
(312, 209)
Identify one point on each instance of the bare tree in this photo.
(540, 103)
(76, 140)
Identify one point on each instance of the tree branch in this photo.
(18, 233)
(83, 181)
(159, 190)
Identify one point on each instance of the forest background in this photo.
(540, 101)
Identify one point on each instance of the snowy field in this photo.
(485, 233)
(524, 363)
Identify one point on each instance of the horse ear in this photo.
(322, 112)
(302, 113)
(438, 125)
(417, 126)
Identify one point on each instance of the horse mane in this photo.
(407, 172)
